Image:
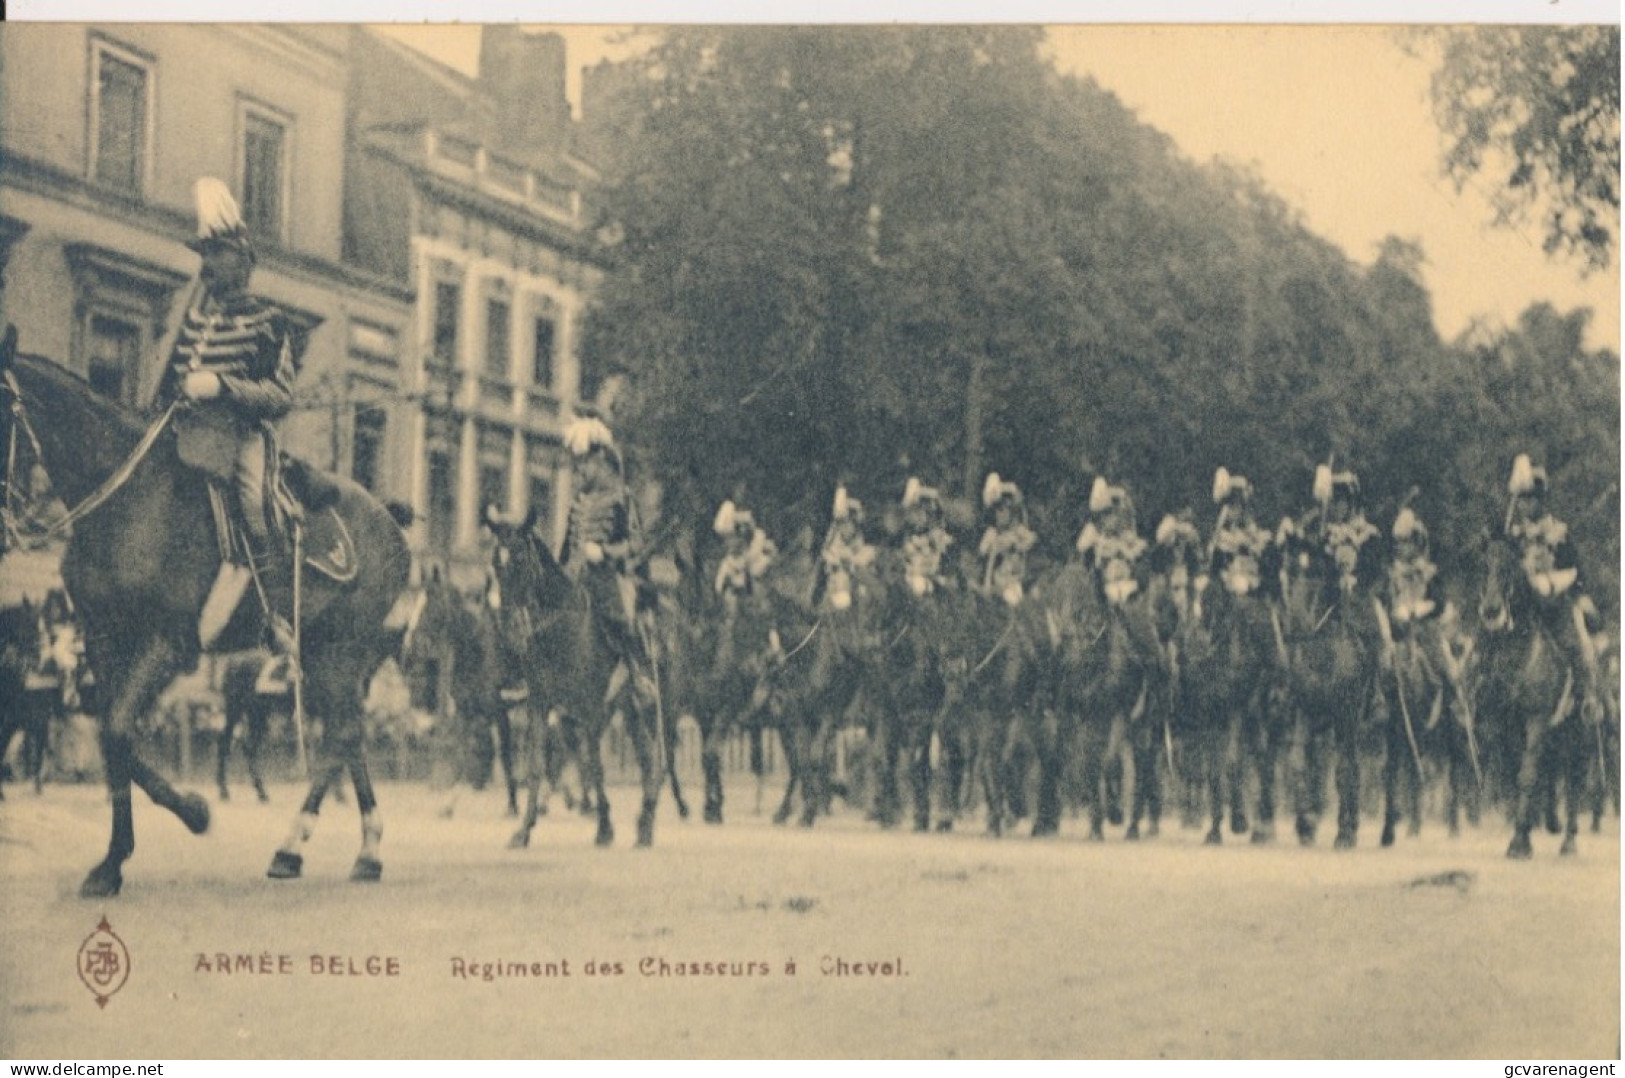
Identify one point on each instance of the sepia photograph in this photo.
(810, 540)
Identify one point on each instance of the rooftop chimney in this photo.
(524, 75)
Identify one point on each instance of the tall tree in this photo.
(1535, 110)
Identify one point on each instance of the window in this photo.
(119, 307)
(367, 448)
(264, 169)
(442, 501)
(541, 503)
(591, 380)
(494, 487)
(542, 361)
(447, 299)
(113, 349)
(496, 339)
(120, 118)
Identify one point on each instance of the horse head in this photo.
(1502, 582)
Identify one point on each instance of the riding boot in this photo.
(224, 596)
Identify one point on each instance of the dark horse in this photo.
(138, 567)
(570, 666)
(456, 652)
(1327, 646)
(1527, 692)
(252, 693)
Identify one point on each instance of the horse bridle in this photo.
(96, 498)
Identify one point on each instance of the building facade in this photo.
(425, 231)
(465, 189)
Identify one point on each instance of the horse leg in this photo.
(1209, 740)
(1578, 759)
(533, 740)
(795, 754)
(223, 747)
(504, 721)
(1525, 807)
(259, 721)
(1345, 734)
(1122, 748)
(711, 739)
(1047, 812)
(1266, 751)
(1394, 746)
(1311, 782)
(138, 686)
(592, 778)
(919, 768)
(647, 744)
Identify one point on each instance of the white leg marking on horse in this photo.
(304, 825)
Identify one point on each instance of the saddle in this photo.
(297, 495)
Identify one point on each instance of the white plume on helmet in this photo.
(585, 433)
(217, 212)
(1100, 495)
(726, 515)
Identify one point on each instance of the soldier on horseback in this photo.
(748, 554)
(1416, 609)
(1006, 541)
(1350, 542)
(1552, 570)
(925, 539)
(1236, 554)
(845, 550)
(1109, 543)
(601, 540)
(231, 373)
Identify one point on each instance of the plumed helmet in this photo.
(586, 433)
(219, 221)
(996, 490)
(846, 506)
(1329, 484)
(1526, 478)
(731, 520)
(917, 493)
(1227, 486)
(1409, 526)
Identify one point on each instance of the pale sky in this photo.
(1336, 120)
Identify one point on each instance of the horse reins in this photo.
(106, 489)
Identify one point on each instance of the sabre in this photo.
(298, 672)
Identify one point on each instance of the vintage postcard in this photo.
(792, 540)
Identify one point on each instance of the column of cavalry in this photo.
(987, 683)
(986, 680)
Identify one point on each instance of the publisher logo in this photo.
(104, 963)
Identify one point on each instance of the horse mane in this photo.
(108, 411)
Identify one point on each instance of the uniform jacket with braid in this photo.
(246, 342)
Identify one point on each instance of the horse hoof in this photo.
(1133, 833)
(194, 813)
(1153, 830)
(1343, 841)
(286, 866)
(225, 794)
(519, 841)
(265, 798)
(367, 870)
(1569, 847)
(944, 826)
(1520, 850)
(646, 832)
(713, 814)
(1263, 836)
(1238, 824)
(605, 837)
(512, 811)
(1306, 832)
(104, 881)
(1387, 836)
(1455, 830)
(1214, 838)
(922, 826)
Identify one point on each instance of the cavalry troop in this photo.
(979, 669)
(1142, 659)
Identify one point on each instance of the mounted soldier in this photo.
(1110, 545)
(747, 555)
(1415, 608)
(601, 541)
(845, 552)
(1236, 553)
(231, 377)
(1006, 542)
(925, 539)
(1337, 526)
(1552, 570)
